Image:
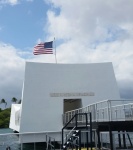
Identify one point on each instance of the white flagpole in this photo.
(55, 50)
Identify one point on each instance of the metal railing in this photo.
(16, 141)
(127, 144)
(107, 110)
(50, 142)
(65, 141)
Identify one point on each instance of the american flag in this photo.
(43, 48)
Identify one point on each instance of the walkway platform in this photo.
(107, 116)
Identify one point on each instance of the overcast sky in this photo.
(86, 31)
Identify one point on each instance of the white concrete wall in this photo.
(101, 80)
(47, 85)
(15, 117)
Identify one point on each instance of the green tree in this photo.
(3, 101)
(1, 120)
(5, 118)
(1, 124)
(6, 122)
(14, 100)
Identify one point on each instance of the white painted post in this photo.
(96, 111)
(109, 110)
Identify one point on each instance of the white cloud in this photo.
(95, 31)
(88, 19)
(12, 72)
(11, 2)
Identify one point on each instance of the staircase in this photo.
(72, 141)
(73, 137)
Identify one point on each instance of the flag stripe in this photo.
(47, 50)
(43, 48)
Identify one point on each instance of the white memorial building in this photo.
(50, 90)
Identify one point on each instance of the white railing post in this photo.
(97, 115)
(109, 110)
(96, 111)
(124, 112)
(116, 113)
(103, 114)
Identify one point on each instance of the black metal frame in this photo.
(119, 126)
(76, 125)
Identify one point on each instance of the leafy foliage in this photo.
(5, 114)
(5, 118)
(3, 101)
(14, 100)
